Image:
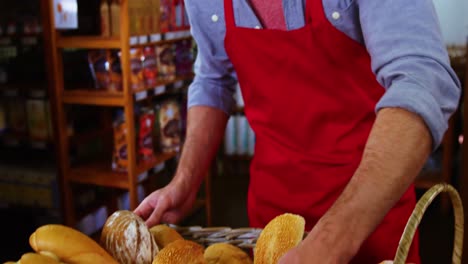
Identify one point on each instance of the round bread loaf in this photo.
(68, 245)
(181, 252)
(279, 235)
(34, 258)
(223, 253)
(127, 238)
(164, 235)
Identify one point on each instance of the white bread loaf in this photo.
(164, 235)
(67, 245)
(279, 235)
(127, 238)
(180, 252)
(223, 253)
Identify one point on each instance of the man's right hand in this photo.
(205, 129)
(169, 204)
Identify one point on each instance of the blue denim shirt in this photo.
(403, 38)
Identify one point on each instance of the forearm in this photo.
(205, 129)
(396, 150)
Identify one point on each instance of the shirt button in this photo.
(214, 18)
(336, 15)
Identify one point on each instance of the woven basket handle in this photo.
(416, 216)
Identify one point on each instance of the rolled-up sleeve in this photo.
(215, 79)
(410, 60)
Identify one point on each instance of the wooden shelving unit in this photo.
(99, 173)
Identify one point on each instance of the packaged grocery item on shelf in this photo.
(166, 62)
(150, 68)
(156, 14)
(66, 14)
(100, 68)
(165, 15)
(177, 18)
(137, 80)
(16, 109)
(186, 18)
(105, 18)
(183, 57)
(115, 17)
(115, 72)
(156, 129)
(169, 122)
(145, 133)
(120, 154)
(37, 113)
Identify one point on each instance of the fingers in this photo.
(144, 209)
(160, 207)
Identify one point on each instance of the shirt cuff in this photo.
(206, 94)
(412, 98)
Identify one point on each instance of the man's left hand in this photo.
(322, 245)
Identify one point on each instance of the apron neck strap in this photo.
(229, 13)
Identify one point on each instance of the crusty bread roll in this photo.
(34, 258)
(280, 235)
(127, 238)
(164, 235)
(180, 252)
(223, 253)
(67, 245)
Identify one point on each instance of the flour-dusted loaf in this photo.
(68, 245)
(280, 235)
(224, 253)
(127, 238)
(181, 252)
(164, 235)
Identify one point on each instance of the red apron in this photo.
(310, 97)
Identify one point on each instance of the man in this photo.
(347, 99)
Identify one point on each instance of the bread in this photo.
(127, 238)
(34, 258)
(280, 235)
(223, 253)
(164, 235)
(180, 252)
(67, 245)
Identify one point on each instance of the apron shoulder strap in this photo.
(229, 14)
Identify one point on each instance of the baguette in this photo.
(66, 244)
(164, 235)
(34, 258)
(280, 235)
(127, 238)
(223, 253)
(181, 252)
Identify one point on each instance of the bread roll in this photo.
(280, 235)
(180, 252)
(34, 258)
(127, 238)
(66, 244)
(223, 253)
(163, 235)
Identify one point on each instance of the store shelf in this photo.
(89, 42)
(101, 174)
(93, 97)
(98, 42)
(160, 42)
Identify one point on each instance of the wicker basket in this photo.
(247, 237)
